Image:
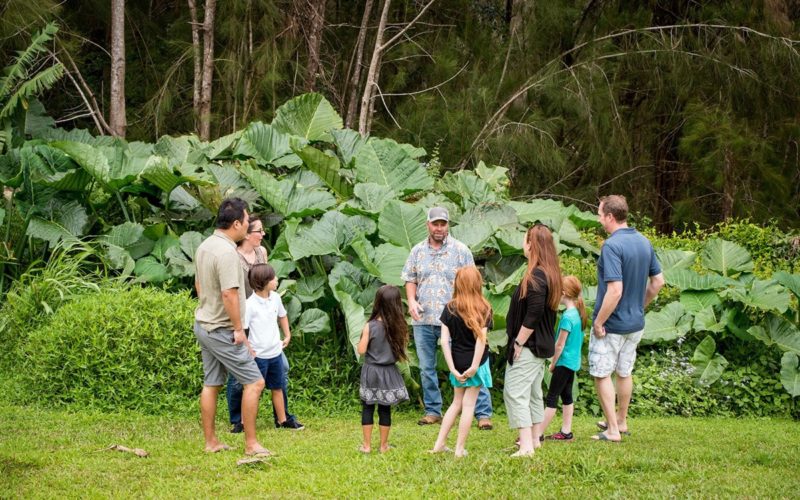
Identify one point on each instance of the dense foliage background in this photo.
(688, 108)
(101, 234)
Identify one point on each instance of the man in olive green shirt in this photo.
(219, 281)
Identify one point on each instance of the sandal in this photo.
(604, 427)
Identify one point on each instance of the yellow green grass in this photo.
(51, 454)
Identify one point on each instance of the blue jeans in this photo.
(234, 392)
(426, 338)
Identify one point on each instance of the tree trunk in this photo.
(196, 50)
(314, 38)
(373, 73)
(355, 77)
(208, 70)
(117, 121)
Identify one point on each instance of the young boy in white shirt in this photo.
(263, 313)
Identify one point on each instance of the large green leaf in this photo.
(766, 295)
(497, 339)
(310, 288)
(790, 374)
(510, 282)
(466, 189)
(384, 162)
(327, 167)
(540, 210)
(668, 324)
(500, 305)
(726, 258)
(286, 196)
(708, 364)
(149, 270)
(705, 320)
(402, 224)
(313, 321)
(675, 259)
(496, 177)
(354, 318)
(329, 235)
(124, 235)
(509, 240)
(790, 281)
(370, 198)
(159, 173)
(778, 330)
(309, 116)
(190, 241)
(264, 143)
(475, 235)
(697, 300)
(49, 231)
(390, 259)
(686, 279)
(347, 142)
(88, 157)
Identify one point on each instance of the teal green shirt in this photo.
(571, 355)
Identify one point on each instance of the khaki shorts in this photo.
(613, 353)
(221, 356)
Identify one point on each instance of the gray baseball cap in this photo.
(438, 213)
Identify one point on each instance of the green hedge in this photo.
(128, 349)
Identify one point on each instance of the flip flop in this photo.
(363, 450)
(604, 427)
(262, 453)
(602, 437)
(519, 454)
(219, 448)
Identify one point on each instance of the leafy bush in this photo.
(119, 349)
(41, 290)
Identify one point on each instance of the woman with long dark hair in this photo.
(530, 327)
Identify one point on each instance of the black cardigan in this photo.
(534, 313)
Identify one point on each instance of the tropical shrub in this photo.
(124, 348)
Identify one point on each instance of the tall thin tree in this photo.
(117, 120)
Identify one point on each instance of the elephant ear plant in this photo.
(342, 213)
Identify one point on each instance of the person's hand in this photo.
(286, 340)
(414, 309)
(249, 347)
(598, 330)
(552, 367)
(470, 372)
(461, 377)
(239, 337)
(517, 351)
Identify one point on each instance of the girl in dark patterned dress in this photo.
(383, 343)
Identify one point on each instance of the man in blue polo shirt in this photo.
(628, 279)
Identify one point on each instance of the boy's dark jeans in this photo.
(234, 392)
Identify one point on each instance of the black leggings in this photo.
(560, 385)
(384, 414)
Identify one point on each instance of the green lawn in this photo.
(60, 454)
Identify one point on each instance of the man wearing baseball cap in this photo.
(429, 274)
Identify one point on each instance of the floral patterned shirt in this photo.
(434, 272)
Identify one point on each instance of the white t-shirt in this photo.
(261, 316)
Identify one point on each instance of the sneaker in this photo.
(237, 429)
(560, 436)
(292, 424)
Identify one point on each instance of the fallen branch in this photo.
(136, 451)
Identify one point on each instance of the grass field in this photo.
(61, 454)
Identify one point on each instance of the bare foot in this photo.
(521, 453)
(386, 448)
(443, 449)
(364, 449)
(603, 436)
(216, 448)
(461, 454)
